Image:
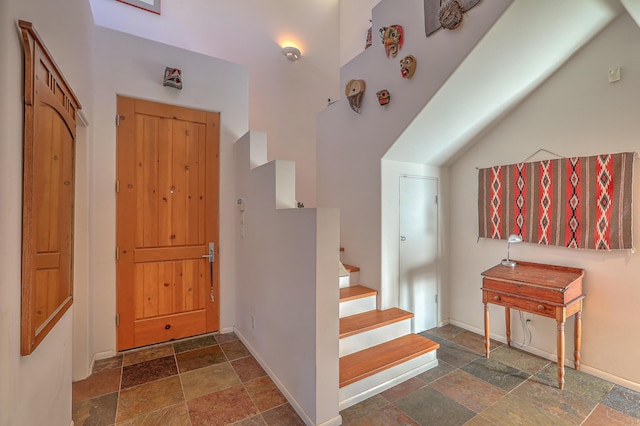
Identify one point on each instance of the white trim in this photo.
(227, 330)
(97, 357)
(373, 385)
(374, 337)
(336, 421)
(554, 357)
(82, 119)
(357, 306)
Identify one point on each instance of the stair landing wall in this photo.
(287, 282)
(351, 146)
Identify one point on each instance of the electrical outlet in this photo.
(528, 318)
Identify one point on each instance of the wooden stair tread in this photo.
(370, 320)
(355, 292)
(351, 268)
(360, 365)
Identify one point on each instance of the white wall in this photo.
(575, 113)
(35, 389)
(350, 145)
(354, 23)
(134, 67)
(284, 97)
(287, 282)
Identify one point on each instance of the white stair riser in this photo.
(345, 281)
(377, 336)
(354, 278)
(357, 306)
(373, 385)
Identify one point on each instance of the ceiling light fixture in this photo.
(292, 53)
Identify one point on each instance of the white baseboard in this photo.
(226, 330)
(554, 357)
(336, 421)
(296, 406)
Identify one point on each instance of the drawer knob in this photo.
(541, 307)
(496, 297)
(168, 326)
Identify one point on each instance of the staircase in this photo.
(377, 348)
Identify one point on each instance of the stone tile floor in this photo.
(208, 380)
(512, 387)
(213, 380)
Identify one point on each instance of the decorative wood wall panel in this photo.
(578, 202)
(50, 109)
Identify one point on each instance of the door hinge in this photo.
(117, 320)
(436, 199)
(118, 117)
(117, 186)
(436, 298)
(117, 253)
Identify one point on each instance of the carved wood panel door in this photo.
(50, 115)
(167, 220)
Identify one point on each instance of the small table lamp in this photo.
(513, 238)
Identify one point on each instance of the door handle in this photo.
(403, 238)
(211, 258)
(211, 255)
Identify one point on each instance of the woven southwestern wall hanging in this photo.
(579, 202)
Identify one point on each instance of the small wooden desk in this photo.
(547, 290)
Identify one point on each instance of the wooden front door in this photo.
(167, 218)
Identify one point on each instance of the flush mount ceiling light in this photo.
(292, 53)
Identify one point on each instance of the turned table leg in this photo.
(560, 354)
(577, 340)
(487, 342)
(507, 323)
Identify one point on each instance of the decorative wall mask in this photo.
(173, 78)
(354, 91)
(384, 97)
(445, 13)
(408, 66)
(369, 40)
(392, 39)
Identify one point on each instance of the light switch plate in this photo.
(614, 74)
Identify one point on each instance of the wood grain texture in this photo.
(167, 213)
(548, 290)
(48, 192)
(370, 320)
(355, 292)
(351, 268)
(368, 362)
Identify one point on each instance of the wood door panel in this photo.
(167, 214)
(168, 253)
(47, 294)
(170, 206)
(53, 214)
(149, 331)
(47, 260)
(165, 288)
(155, 109)
(50, 109)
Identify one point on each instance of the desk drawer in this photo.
(526, 305)
(536, 292)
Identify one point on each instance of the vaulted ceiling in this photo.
(527, 44)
